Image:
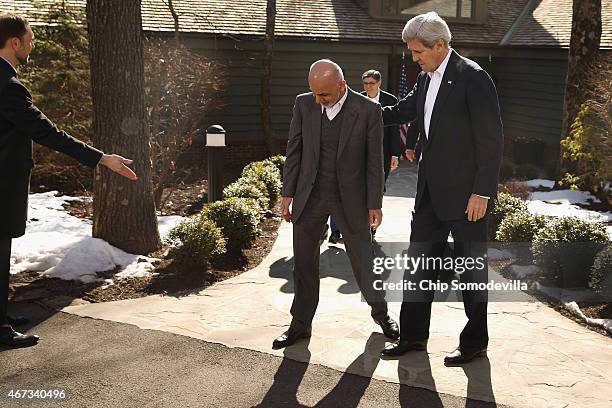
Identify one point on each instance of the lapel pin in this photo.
(450, 82)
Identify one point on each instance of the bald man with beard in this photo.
(334, 167)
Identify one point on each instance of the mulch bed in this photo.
(172, 277)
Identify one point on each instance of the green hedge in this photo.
(504, 205)
(520, 226)
(601, 273)
(518, 229)
(247, 188)
(269, 174)
(238, 219)
(565, 249)
(278, 161)
(198, 239)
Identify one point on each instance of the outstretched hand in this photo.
(118, 164)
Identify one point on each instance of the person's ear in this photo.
(15, 43)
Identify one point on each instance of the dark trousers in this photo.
(428, 238)
(333, 226)
(306, 235)
(5, 267)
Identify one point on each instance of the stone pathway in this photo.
(537, 358)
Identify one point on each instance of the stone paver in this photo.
(537, 358)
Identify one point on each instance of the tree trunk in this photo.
(266, 114)
(584, 48)
(175, 17)
(124, 211)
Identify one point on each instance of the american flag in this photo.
(403, 91)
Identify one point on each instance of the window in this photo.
(445, 8)
(467, 11)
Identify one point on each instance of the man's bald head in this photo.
(326, 82)
(326, 69)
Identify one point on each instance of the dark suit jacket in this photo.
(391, 140)
(20, 123)
(412, 136)
(462, 154)
(359, 162)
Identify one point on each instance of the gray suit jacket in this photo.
(359, 163)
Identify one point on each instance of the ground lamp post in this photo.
(215, 142)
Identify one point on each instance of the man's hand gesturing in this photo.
(118, 164)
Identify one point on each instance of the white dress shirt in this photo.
(435, 80)
(334, 110)
(376, 98)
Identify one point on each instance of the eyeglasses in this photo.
(369, 83)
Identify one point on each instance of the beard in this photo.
(23, 60)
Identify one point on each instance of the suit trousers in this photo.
(428, 238)
(5, 268)
(307, 233)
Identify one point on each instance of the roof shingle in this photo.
(549, 25)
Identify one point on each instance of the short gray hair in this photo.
(427, 28)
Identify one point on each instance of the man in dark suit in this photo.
(20, 123)
(460, 146)
(392, 147)
(334, 167)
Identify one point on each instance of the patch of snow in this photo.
(567, 210)
(108, 282)
(575, 309)
(564, 197)
(522, 271)
(60, 245)
(536, 183)
(167, 222)
(496, 255)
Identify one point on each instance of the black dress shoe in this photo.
(17, 320)
(289, 337)
(403, 346)
(12, 339)
(462, 356)
(389, 327)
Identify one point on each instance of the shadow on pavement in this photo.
(352, 387)
(288, 377)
